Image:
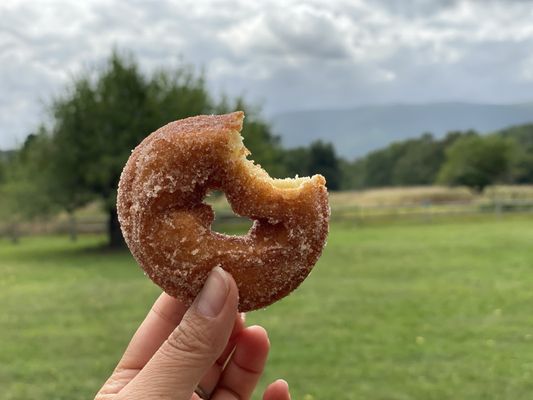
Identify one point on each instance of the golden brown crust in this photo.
(167, 227)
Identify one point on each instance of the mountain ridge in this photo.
(355, 131)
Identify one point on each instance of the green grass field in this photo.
(403, 311)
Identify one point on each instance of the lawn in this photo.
(392, 311)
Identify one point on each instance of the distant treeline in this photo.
(460, 158)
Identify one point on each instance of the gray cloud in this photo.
(415, 8)
(283, 55)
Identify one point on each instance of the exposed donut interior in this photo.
(240, 153)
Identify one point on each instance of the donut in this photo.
(167, 226)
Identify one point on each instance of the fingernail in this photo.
(213, 295)
(284, 382)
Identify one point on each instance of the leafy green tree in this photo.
(478, 161)
(323, 160)
(353, 174)
(21, 195)
(419, 162)
(522, 134)
(379, 165)
(58, 175)
(7, 201)
(297, 161)
(522, 171)
(522, 166)
(3, 168)
(101, 118)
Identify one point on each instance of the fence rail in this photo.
(424, 211)
(427, 211)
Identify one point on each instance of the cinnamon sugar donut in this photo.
(168, 228)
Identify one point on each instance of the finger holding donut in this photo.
(204, 352)
(168, 227)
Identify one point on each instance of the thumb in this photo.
(180, 363)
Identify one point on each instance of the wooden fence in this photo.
(423, 212)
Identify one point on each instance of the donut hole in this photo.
(226, 221)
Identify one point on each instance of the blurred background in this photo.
(419, 114)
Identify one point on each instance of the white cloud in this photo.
(285, 55)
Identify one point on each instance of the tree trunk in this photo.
(113, 229)
(72, 226)
(14, 233)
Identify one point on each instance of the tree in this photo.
(522, 171)
(58, 175)
(21, 199)
(419, 162)
(477, 161)
(7, 198)
(297, 161)
(353, 174)
(379, 165)
(323, 160)
(100, 119)
(3, 167)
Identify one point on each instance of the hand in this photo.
(206, 350)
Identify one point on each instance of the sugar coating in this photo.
(168, 227)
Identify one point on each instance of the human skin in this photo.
(177, 350)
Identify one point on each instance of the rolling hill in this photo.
(356, 131)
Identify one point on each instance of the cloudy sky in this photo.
(283, 55)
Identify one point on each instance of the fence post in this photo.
(72, 226)
(13, 233)
(497, 208)
(426, 206)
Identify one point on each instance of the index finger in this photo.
(164, 316)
